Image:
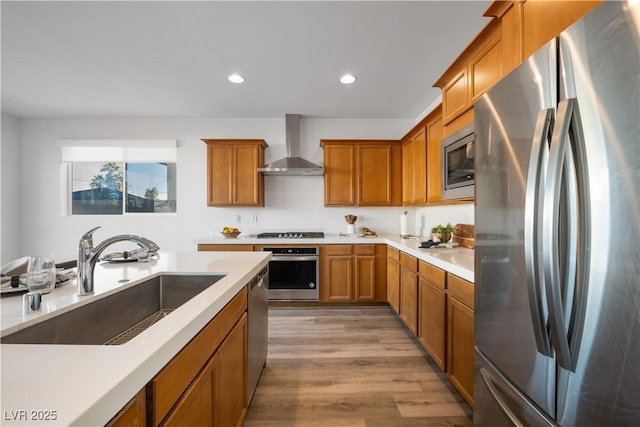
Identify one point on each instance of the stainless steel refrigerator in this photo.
(557, 219)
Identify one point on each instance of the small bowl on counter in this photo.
(232, 235)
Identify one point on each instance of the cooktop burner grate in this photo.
(292, 235)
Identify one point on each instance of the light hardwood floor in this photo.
(339, 367)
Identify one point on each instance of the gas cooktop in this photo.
(292, 235)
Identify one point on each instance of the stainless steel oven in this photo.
(458, 171)
(293, 273)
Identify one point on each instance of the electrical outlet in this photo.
(238, 218)
(254, 218)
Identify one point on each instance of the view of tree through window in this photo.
(98, 188)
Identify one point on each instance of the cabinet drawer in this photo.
(338, 249)
(393, 253)
(432, 274)
(409, 261)
(173, 380)
(365, 249)
(461, 289)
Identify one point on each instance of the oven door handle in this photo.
(294, 258)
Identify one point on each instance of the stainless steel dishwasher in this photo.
(257, 334)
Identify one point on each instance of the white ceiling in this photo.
(172, 58)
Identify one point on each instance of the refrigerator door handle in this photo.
(509, 398)
(533, 239)
(567, 160)
(495, 393)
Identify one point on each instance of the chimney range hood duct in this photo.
(293, 164)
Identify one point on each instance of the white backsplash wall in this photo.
(424, 218)
(291, 201)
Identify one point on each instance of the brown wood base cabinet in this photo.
(134, 413)
(353, 273)
(460, 336)
(433, 312)
(409, 291)
(204, 384)
(393, 278)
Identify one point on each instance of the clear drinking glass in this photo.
(41, 274)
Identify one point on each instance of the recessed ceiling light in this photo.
(236, 78)
(347, 79)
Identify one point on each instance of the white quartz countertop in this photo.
(88, 384)
(458, 260)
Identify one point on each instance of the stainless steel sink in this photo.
(116, 318)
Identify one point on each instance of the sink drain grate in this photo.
(135, 330)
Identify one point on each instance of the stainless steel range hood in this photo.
(293, 164)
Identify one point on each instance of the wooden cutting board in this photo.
(463, 234)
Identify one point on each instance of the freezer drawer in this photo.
(499, 403)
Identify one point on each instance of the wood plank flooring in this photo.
(350, 367)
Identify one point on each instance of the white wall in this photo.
(9, 189)
(424, 218)
(291, 202)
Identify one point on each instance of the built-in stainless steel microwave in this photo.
(458, 173)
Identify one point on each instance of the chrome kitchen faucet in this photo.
(88, 256)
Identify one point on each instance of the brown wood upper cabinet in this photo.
(362, 172)
(434, 155)
(414, 168)
(477, 68)
(232, 175)
(527, 25)
(421, 160)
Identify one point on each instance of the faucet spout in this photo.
(88, 256)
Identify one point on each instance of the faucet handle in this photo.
(86, 241)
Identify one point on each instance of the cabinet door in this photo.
(485, 68)
(393, 284)
(414, 170)
(374, 175)
(220, 173)
(133, 414)
(339, 274)
(195, 408)
(460, 348)
(455, 97)
(246, 178)
(543, 20)
(340, 175)
(434, 158)
(365, 282)
(230, 385)
(409, 299)
(420, 168)
(232, 175)
(433, 321)
(408, 173)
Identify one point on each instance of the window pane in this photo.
(151, 187)
(96, 189)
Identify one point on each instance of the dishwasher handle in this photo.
(259, 280)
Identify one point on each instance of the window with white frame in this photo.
(118, 177)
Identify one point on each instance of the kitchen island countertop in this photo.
(458, 260)
(88, 384)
